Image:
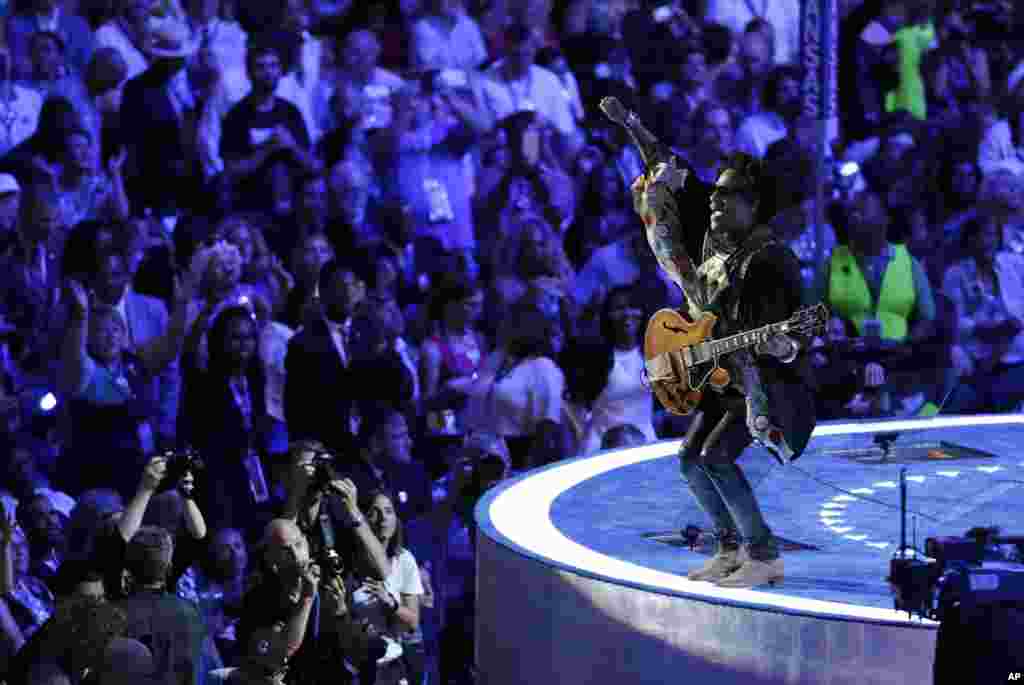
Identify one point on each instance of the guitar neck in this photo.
(740, 341)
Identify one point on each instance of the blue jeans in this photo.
(723, 491)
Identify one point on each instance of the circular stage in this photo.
(581, 570)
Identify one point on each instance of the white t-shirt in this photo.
(404, 579)
(514, 406)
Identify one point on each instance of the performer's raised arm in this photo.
(655, 203)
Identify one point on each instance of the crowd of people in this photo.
(286, 287)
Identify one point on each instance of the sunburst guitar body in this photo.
(669, 334)
(681, 357)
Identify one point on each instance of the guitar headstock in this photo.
(614, 110)
(809, 321)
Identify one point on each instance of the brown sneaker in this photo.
(754, 573)
(719, 566)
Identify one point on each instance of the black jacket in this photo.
(318, 393)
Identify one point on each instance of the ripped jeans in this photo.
(721, 488)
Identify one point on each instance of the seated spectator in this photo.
(26, 603)
(883, 291)
(451, 356)
(1001, 196)
(52, 16)
(988, 295)
(519, 383)
(265, 138)
(224, 417)
(607, 385)
(446, 37)
(996, 149)
(622, 436)
(18, 104)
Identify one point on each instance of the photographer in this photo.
(103, 549)
(310, 484)
(285, 597)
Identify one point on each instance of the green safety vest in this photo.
(850, 297)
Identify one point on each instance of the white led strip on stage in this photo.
(521, 513)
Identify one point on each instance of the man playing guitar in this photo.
(748, 280)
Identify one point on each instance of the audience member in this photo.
(988, 295)
(520, 384)
(616, 394)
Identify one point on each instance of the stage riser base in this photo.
(540, 624)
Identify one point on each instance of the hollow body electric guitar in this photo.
(682, 357)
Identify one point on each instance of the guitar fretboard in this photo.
(728, 345)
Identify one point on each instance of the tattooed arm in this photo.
(653, 201)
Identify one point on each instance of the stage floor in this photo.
(592, 546)
(843, 541)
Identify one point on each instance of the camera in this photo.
(323, 472)
(178, 464)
